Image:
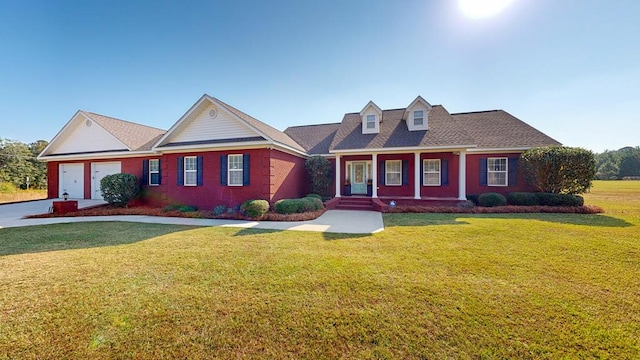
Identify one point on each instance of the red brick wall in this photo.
(396, 190)
(450, 190)
(288, 178)
(473, 176)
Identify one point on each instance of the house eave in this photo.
(403, 149)
(485, 150)
(95, 155)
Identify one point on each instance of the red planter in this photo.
(62, 207)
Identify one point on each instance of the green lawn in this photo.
(431, 286)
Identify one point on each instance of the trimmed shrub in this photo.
(473, 198)
(219, 210)
(491, 200)
(171, 207)
(314, 196)
(522, 199)
(318, 202)
(559, 169)
(550, 199)
(286, 206)
(255, 208)
(292, 206)
(187, 208)
(119, 189)
(307, 205)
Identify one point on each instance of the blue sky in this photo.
(570, 68)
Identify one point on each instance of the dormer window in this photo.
(418, 118)
(371, 121)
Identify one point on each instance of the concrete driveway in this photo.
(334, 221)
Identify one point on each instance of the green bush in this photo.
(255, 208)
(522, 199)
(119, 189)
(550, 199)
(219, 210)
(7, 187)
(319, 171)
(187, 208)
(292, 206)
(559, 169)
(473, 198)
(171, 207)
(314, 196)
(491, 200)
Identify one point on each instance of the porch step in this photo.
(355, 203)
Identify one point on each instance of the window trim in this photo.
(372, 122)
(425, 172)
(491, 171)
(229, 169)
(387, 172)
(421, 118)
(151, 172)
(185, 171)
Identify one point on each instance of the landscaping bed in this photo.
(509, 209)
(110, 210)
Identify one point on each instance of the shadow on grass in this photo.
(410, 219)
(70, 236)
(327, 235)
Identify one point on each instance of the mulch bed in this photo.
(109, 210)
(587, 209)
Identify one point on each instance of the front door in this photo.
(359, 176)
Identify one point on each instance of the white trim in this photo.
(416, 175)
(373, 105)
(149, 177)
(91, 156)
(229, 170)
(185, 171)
(374, 175)
(424, 171)
(403, 150)
(497, 150)
(415, 101)
(505, 171)
(338, 182)
(386, 172)
(462, 176)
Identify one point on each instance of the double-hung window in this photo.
(497, 171)
(235, 173)
(371, 121)
(431, 172)
(190, 171)
(154, 172)
(418, 118)
(393, 172)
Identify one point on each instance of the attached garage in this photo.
(98, 171)
(71, 180)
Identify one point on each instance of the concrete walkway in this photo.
(334, 221)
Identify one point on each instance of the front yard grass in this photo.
(429, 286)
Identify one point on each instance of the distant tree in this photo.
(559, 169)
(39, 180)
(616, 164)
(18, 161)
(629, 165)
(319, 170)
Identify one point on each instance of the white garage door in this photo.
(98, 171)
(71, 178)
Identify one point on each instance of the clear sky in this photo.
(570, 68)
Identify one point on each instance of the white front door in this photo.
(71, 180)
(98, 171)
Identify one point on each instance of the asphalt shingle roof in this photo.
(137, 137)
(499, 129)
(315, 139)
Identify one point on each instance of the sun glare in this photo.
(482, 8)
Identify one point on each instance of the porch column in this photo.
(374, 175)
(462, 175)
(338, 183)
(416, 175)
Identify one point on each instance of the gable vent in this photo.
(213, 113)
(88, 123)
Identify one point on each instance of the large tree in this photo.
(18, 161)
(559, 169)
(319, 170)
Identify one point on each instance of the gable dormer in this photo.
(417, 114)
(371, 117)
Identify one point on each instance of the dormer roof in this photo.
(372, 105)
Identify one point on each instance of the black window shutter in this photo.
(159, 172)
(405, 172)
(145, 172)
(180, 171)
(245, 170)
(483, 171)
(200, 170)
(444, 172)
(421, 172)
(513, 171)
(223, 170)
(381, 173)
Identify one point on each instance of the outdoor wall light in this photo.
(65, 196)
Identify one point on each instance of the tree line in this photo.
(618, 164)
(18, 162)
